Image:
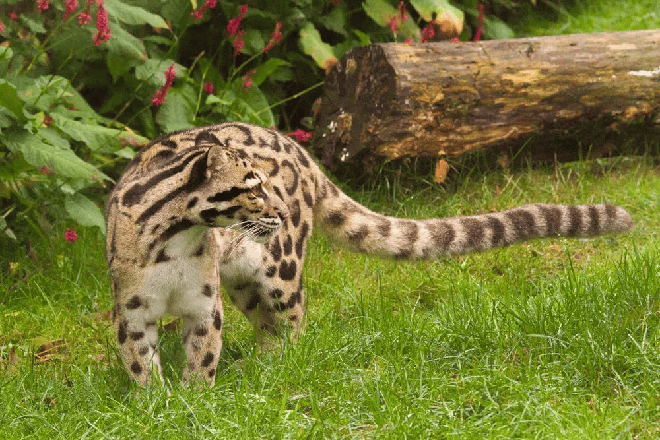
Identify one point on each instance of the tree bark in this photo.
(387, 101)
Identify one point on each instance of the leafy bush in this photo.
(86, 84)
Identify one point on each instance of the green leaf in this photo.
(362, 37)
(312, 45)
(497, 30)
(94, 136)
(118, 65)
(10, 100)
(6, 53)
(426, 8)
(133, 14)
(35, 26)
(382, 13)
(153, 70)
(39, 154)
(84, 211)
(51, 137)
(177, 110)
(252, 106)
(265, 69)
(336, 19)
(254, 42)
(124, 44)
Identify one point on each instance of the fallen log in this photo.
(391, 100)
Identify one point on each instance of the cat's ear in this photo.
(216, 158)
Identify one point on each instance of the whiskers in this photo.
(250, 230)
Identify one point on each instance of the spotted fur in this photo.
(234, 205)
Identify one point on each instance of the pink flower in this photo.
(455, 40)
(300, 135)
(238, 43)
(208, 87)
(394, 25)
(409, 41)
(199, 14)
(103, 33)
(402, 10)
(275, 37)
(13, 16)
(428, 33)
(161, 94)
(234, 23)
(69, 8)
(70, 235)
(43, 5)
(2, 27)
(84, 18)
(45, 170)
(480, 22)
(247, 80)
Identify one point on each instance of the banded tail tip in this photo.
(623, 221)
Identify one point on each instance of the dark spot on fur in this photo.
(161, 257)
(384, 228)
(207, 290)
(212, 372)
(206, 137)
(295, 298)
(307, 197)
(208, 358)
(300, 243)
(496, 225)
(200, 251)
(442, 234)
(288, 270)
(253, 302)
(335, 218)
(271, 271)
(144, 350)
(136, 336)
(294, 210)
(288, 245)
(133, 303)
(201, 331)
(122, 334)
(191, 204)
(276, 293)
(360, 234)
(276, 249)
(294, 177)
(523, 223)
(217, 320)
(552, 216)
(594, 224)
(474, 232)
(575, 218)
(136, 368)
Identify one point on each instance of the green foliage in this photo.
(83, 88)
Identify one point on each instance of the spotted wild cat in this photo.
(234, 205)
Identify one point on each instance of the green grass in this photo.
(549, 339)
(585, 16)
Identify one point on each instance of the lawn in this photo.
(550, 339)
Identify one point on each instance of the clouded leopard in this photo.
(234, 205)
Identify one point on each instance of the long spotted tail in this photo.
(365, 231)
